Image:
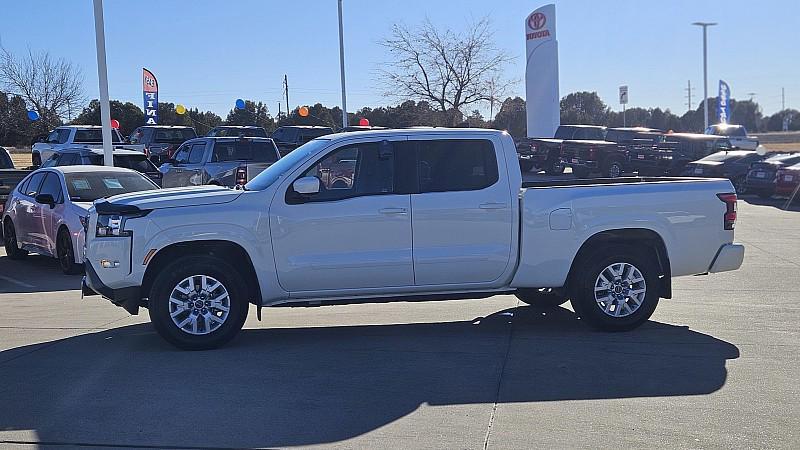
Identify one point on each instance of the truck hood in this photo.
(175, 197)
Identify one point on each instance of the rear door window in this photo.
(456, 165)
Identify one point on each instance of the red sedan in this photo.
(788, 180)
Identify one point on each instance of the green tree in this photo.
(15, 128)
(129, 115)
(512, 117)
(583, 108)
(253, 114)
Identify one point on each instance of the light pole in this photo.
(102, 75)
(705, 26)
(341, 66)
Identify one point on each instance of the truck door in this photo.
(462, 217)
(354, 234)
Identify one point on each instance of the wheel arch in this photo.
(229, 251)
(650, 241)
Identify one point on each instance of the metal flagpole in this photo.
(341, 65)
(102, 75)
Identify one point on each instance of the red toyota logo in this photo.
(537, 21)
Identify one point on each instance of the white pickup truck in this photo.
(736, 134)
(68, 136)
(414, 214)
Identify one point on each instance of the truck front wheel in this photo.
(198, 302)
(616, 288)
(542, 297)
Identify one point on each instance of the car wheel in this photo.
(66, 254)
(613, 169)
(525, 166)
(616, 288)
(198, 302)
(541, 297)
(554, 167)
(10, 241)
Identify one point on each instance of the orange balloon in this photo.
(303, 111)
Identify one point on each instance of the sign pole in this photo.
(102, 75)
(341, 66)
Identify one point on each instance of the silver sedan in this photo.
(47, 210)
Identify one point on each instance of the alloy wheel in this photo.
(199, 304)
(620, 289)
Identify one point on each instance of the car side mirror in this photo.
(46, 199)
(306, 185)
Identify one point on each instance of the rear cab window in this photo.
(456, 165)
(245, 150)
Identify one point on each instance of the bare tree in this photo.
(54, 87)
(451, 70)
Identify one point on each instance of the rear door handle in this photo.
(393, 211)
(493, 205)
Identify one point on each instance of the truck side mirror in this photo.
(306, 185)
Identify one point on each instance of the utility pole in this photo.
(341, 66)
(783, 99)
(279, 110)
(705, 26)
(689, 95)
(286, 91)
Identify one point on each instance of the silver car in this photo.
(46, 212)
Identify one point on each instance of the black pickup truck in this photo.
(670, 156)
(609, 157)
(9, 177)
(545, 153)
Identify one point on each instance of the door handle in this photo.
(393, 211)
(493, 205)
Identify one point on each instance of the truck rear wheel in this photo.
(198, 302)
(616, 288)
(613, 169)
(541, 297)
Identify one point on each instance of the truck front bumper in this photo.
(729, 257)
(128, 298)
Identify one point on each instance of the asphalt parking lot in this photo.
(716, 367)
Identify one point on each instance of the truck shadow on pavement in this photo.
(35, 273)
(313, 385)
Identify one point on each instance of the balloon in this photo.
(761, 150)
(363, 122)
(115, 123)
(180, 109)
(33, 115)
(303, 111)
(239, 103)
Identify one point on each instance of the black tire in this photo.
(171, 275)
(580, 172)
(10, 241)
(542, 297)
(588, 274)
(66, 254)
(525, 166)
(613, 169)
(554, 167)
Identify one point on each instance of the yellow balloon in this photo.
(303, 111)
(180, 109)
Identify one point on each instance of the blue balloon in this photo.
(239, 103)
(33, 115)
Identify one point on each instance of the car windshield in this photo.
(173, 135)
(93, 136)
(88, 187)
(236, 132)
(293, 159)
(139, 163)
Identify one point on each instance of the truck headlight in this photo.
(111, 225)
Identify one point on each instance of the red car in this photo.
(788, 180)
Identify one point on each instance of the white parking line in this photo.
(18, 283)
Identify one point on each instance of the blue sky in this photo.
(208, 53)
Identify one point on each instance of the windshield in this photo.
(277, 170)
(139, 163)
(173, 135)
(88, 187)
(93, 136)
(725, 156)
